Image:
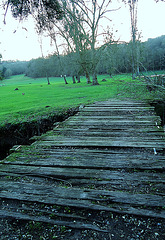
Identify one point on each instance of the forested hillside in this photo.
(114, 58)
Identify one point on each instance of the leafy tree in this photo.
(154, 53)
(7, 73)
(36, 68)
(73, 67)
(16, 67)
(4, 71)
(43, 67)
(43, 11)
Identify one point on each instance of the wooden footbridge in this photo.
(109, 157)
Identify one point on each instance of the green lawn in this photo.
(30, 101)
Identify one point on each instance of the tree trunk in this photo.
(87, 77)
(73, 78)
(47, 78)
(65, 79)
(138, 71)
(78, 78)
(94, 80)
(134, 54)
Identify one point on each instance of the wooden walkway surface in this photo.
(107, 158)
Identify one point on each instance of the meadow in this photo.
(35, 99)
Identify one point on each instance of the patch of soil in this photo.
(20, 134)
(160, 109)
(120, 227)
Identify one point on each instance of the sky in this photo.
(19, 41)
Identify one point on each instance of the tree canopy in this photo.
(43, 11)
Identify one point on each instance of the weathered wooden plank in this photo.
(124, 131)
(42, 193)
(110, 128)
(82, 173)
(85, 129)
(119, 104)
(83, 153)
(131, 186)
(125, 105)
(117, 107)
(114, 113)
(73, 224)
(117, 209)
(103, 162)
(70, 142)
(116, 120)
(84, 198)
(117, 117)
(88, 159)
(89, 121)
(104, 138)
(119, 185)
(93, 151)
(105, 133)
(117, 111)
(58, 151)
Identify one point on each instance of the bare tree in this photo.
(53, 37)
(92, 12)
(74, 41)
(133, 15)
(44, 66)
(0, 67)
(80, 29)
(133, 4)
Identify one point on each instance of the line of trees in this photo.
(78, 24)
(9, 68)
(114, 58)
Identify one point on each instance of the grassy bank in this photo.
(35, 99)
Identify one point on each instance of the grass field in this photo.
(33, 96)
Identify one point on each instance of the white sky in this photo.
(24, 45)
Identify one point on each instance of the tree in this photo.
(43, 11)
(92, 13)
(16, 67)
(133, 14)
(154, 54)
(81, 28)
(74, 44)
(82, 16)
(0, 68)
(53, 37)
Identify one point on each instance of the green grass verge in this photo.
(30, 101)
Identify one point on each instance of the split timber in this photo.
(107, 158)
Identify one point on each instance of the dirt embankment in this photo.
(160, 109)
(20, 134)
